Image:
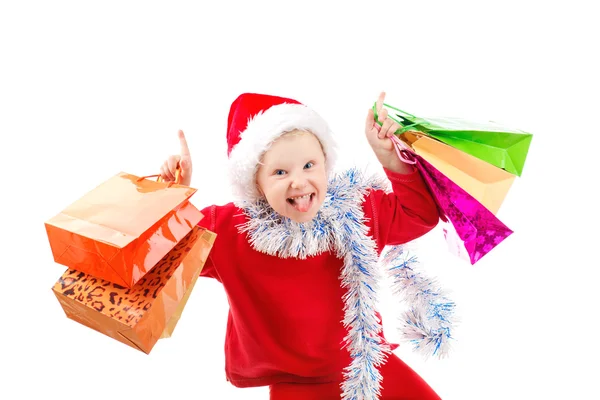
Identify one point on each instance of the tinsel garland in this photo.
(429, 319)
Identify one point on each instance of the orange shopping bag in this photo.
(141, 315)
(172, 323)
(122, 228)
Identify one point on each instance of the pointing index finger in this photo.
(380, 102)
(185, 150)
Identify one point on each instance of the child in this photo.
(297, 252)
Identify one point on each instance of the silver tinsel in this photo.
(429, 318)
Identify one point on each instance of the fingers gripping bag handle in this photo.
(177, 180)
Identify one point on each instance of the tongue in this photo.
(302, 204)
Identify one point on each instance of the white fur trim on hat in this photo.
(262, 130)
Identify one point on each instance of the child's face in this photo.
(293, 177)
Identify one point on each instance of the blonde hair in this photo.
(299, 132)
(295, 132)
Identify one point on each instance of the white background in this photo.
(88, 89)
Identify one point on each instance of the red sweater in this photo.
(285, 315)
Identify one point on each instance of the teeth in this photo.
(300, 197)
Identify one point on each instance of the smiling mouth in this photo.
(301, 203)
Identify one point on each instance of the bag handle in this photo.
(159, 177)
(404, 152)
(397, 109)
(404, 128)
(416, 120)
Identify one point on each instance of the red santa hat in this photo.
(255, 122)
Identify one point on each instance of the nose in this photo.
(298, 182)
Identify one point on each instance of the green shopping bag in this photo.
(496, 144)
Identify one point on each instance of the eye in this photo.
(279, 172)
(308, 165)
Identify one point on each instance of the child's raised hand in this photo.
(379, 136)
(182, 160)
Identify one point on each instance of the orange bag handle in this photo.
(159, 177)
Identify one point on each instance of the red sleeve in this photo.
(406, 214)
(209, 222)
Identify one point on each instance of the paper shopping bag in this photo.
(172, 323)
(137, 316)
(122, 228)
(491, 142)
(486, 183)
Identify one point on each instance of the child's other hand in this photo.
(379, 136)
(182, 160)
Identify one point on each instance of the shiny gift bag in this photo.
(486, 183)
(122, 228)
(498, 145)
(473, 230)
(141, 315)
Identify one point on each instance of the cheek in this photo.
(274, 191)
(321, 181)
